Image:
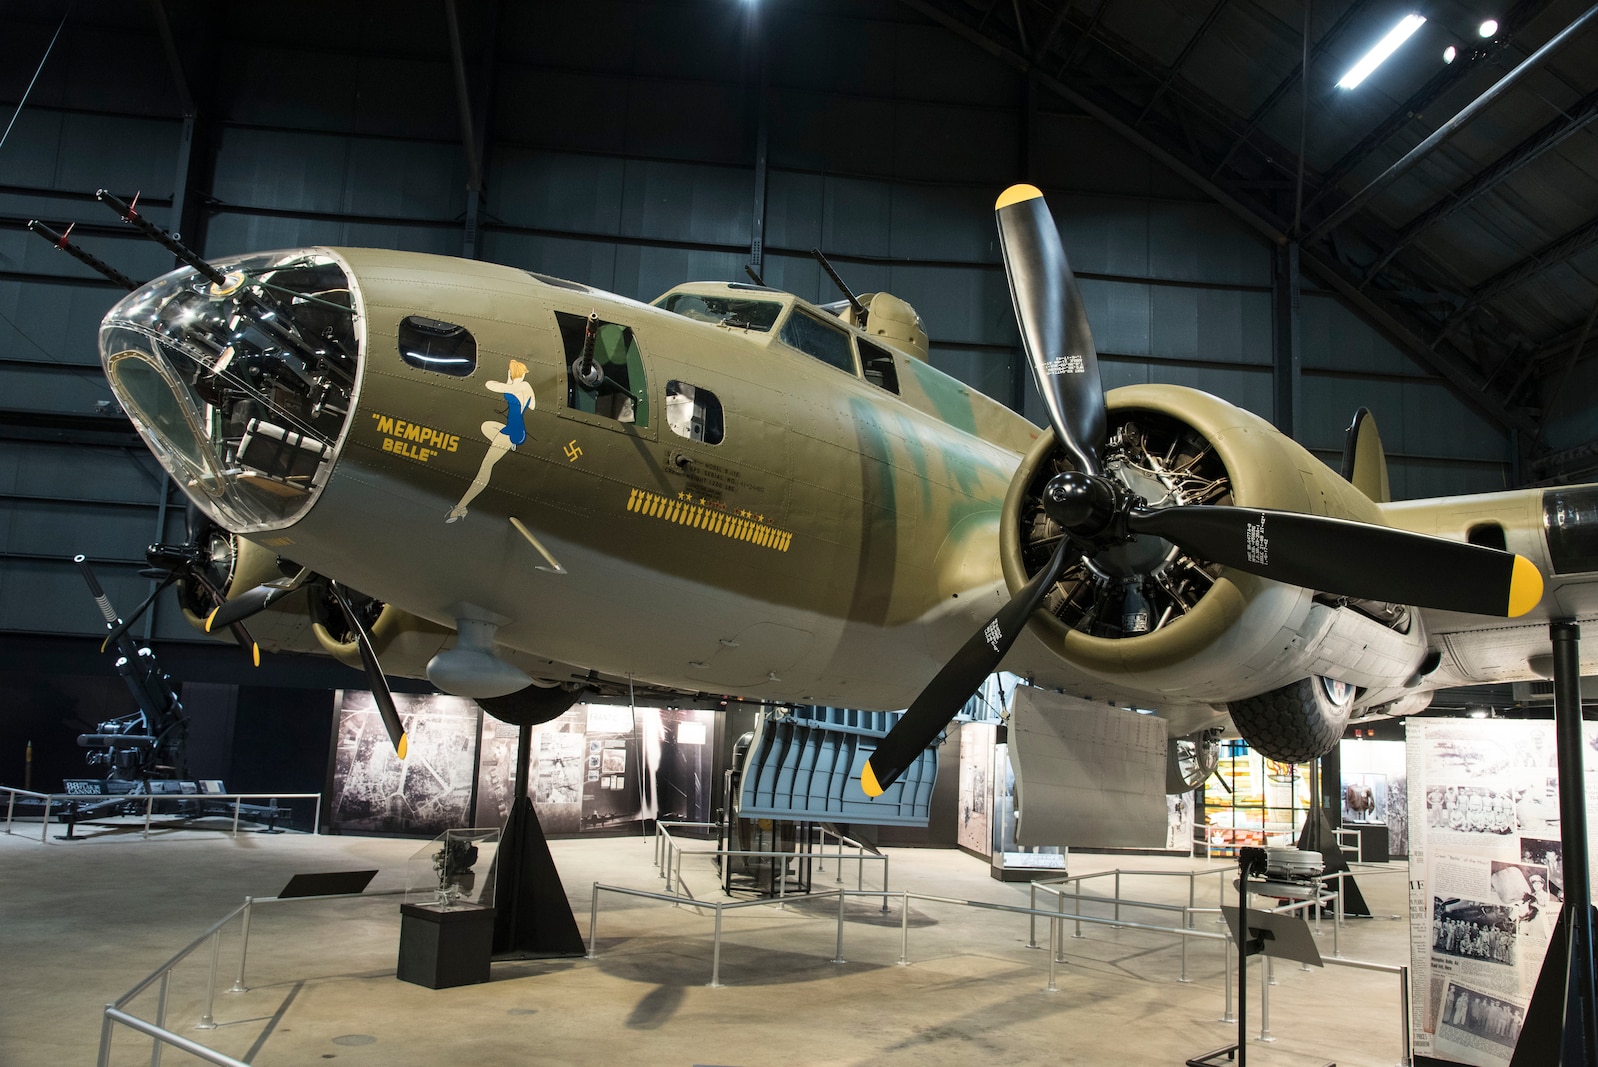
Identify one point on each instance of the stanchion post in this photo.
(1403, 1008)
(1118, 894)
(837, 956)
(244, 946)
(208, 1020)
(904, 930)
(884, 884)
(1032, 920)
(160, 1019)
(1192, 888)
(1227, 1016)
(715, 952)
(593, 920)
(149, 803)
(106, 1024)
(1077, 896)
(1057, 928)
(1187, 917)
(1265, 993)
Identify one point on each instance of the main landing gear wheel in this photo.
(1190, 760)
(1296, 723)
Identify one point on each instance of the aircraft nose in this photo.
(240, 388)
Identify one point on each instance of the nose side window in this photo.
(440, 347)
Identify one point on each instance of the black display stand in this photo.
(1318, 837)
(534, 918)
(1561, 1026)
(441, 949)
(1257, 933)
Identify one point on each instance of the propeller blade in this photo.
(240, 634)
(126, 624)
(374, 673)
(250, 602)
(947, 693)
(1352, 559)
(1054, 325)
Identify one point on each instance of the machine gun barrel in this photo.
(94, 263)
(161, 237)
(272, 317)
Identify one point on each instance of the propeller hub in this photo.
(1085, 505)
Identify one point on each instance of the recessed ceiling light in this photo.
(1384, 48)
(1449, 54)
(1488, 28)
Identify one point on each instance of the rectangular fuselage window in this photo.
(693, 412)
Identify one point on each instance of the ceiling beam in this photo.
(1571, 120)
(1455, 124)
(1465, 382)
(1174, 71)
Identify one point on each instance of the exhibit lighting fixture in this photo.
(1449, 53)
(1384, 48)
(1476, 711)
(1488, 28)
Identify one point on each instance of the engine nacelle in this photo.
(1149, 620)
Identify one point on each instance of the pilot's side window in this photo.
(828, 343)
(440, 347)
(879, 366)
(604, 370)
(693, 412)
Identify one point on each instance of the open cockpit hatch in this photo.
(241, 389)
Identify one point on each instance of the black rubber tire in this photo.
(534, 705)
(1296, 723)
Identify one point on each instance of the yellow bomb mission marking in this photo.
(413, 440)
(738, 526)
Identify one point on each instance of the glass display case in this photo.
(454, 872)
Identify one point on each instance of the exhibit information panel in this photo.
(1486, 878)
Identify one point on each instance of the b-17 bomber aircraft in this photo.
(542, 490)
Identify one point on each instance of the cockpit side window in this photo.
(828, 343)
(604, 369)
(879, 366)
(734, 312)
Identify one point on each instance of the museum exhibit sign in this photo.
(1486, 878)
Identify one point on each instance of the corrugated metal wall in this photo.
(620, 149)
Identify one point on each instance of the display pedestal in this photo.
(440, 949)
(1373, 843)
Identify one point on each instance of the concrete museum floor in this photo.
(83, 922)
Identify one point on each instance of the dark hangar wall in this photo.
(621, 144)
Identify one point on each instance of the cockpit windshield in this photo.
(734, 312)
(240, 387)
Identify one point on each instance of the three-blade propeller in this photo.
(1330, 555)
(254, 601)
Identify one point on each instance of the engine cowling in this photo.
(1152, 622)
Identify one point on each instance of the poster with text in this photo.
(1486, 877)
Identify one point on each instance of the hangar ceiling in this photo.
(1454, 205)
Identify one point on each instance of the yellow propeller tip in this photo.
(868, 781)
(1017, 194)
(404, 743)
(209, 619)
(255, 652)
(1525, 587)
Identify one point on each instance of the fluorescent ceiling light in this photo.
(1384, 48)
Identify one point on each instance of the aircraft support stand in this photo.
(534, 919)
(1561, 1024)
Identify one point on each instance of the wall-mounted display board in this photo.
(602, 767)
(597, 768)
(373, 791)
(1257, 802)
(1486, 877)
